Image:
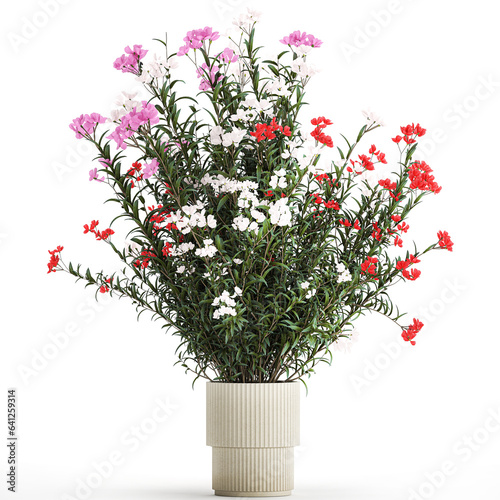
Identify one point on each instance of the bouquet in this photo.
(242, 241)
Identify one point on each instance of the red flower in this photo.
(167, 249)
(345, 223)
(397, 139)
(356, 225)
(331, 204)
(445, 240)
(419, 130)
(369, 265)
(381, 158)
(398, 242)
(396, 218)
(387, 184)
(377, 233)
(54, 259)
(320, 123)
(403, 227)
(324, 177)
(404, 264)
(98, 234)
(420, 176)
(264, 131)
(410, 332)
(105, 288)
(415, 273)
(143, 260)
(373, 150)
(366, 162)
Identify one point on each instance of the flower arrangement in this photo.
(257, 256)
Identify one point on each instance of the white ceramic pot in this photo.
(253, 429)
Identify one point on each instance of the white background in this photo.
(373, 425)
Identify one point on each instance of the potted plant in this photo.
(258, 256)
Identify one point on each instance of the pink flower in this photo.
(194, 39)
(207, 75)
(130, 123)
(150, 168)
(86, 124)
(93, 175)
(297, 39)
(129, 62)
(228, 55)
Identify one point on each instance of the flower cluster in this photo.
(208, 249)
(129, 123)
(320, 123)
(86, 124)
(194, 39)
(421, 178)
(232, 138)
(157, 68)
(369, 266)
(251, 108)
(403, 265)
(410, 332)
(54, 259)
(298, 38)
(280, 213)
(226, 303)
(265, 131)
(445, 240)
(189, 217)
(129, 62)
(409, 133)
(278, 179)
(99, 235)
(344, 275)
(246, 20)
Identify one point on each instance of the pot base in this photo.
(221, 493)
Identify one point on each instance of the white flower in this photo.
(373, 117)
(226, 305)
(216, 135)
(157, 68)
(211, 221)
(258, 216)
(180, 269)
(302, 69)
(241, 223)
(208, 250)
(253, 227)
(344, 344)
(237, 261)
(277, 87)
(280, 213)
(305, 285)
(233, 137)
(302, 49)
(182, 249)
(239, 115)
(344, 273)
(237, 291)
(246, 20)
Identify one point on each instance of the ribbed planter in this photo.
(253, 429)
